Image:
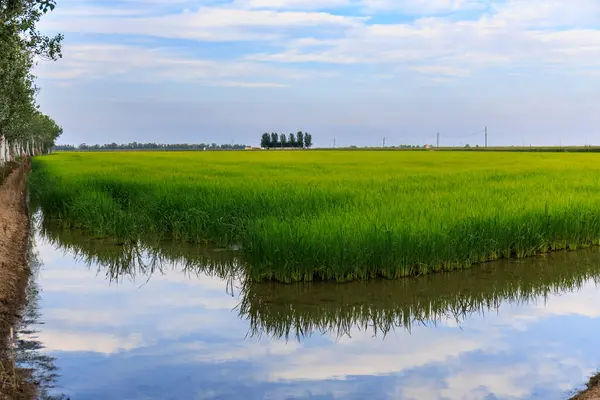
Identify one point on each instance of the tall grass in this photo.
(347, 215)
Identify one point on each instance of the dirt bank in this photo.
(592, 392)
(14, 231)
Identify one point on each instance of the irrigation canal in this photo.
(179, 322)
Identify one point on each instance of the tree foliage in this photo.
(300, 139)
(18, 18)
(265, 140)
(308, 140)
(273, 140)
(22, 126)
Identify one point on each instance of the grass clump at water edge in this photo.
(302, 216)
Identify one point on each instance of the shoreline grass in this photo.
(344, 215)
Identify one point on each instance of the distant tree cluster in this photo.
(300, 140)
(150, 146)
(64, 147)
(408, 146)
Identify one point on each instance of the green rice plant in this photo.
(325, 215)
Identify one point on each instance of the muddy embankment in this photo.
(14, 274)
(592, 392)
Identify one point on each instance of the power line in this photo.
(479, 132)
(469, 135)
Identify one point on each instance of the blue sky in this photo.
(353, 70)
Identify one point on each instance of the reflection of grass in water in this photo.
(299, 310)
(142, 259)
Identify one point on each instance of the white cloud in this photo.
(447, 45)
(441, 70)
(145, 65)
(72, 279)
(240, 351)
(554, 36)
(207, 23)
(88, 341)
(83, 317)
(547, 13)
(581, 303)
(294, 4)
(423, 7)
(362, 355)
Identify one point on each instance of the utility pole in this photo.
(486, 136)
(384, 141)
(438, 141)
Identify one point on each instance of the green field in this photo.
(343, 215)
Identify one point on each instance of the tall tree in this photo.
(307, 140)
(300, 139)
(274, 139)
(282, 140)
(292, 140)
(265, 140)
(23, 129)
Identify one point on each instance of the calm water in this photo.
(178, 322)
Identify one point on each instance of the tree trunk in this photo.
(3, 157)
(6, 150)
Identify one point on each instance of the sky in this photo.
(191, 71)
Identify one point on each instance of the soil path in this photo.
(14, 273)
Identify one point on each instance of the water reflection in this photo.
(142, 259)
(301, 309)
(182, 322)
(28, 350)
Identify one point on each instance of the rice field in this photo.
(333, 215)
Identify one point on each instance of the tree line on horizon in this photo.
(301, 140)
(24, 129)
(150, 146)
